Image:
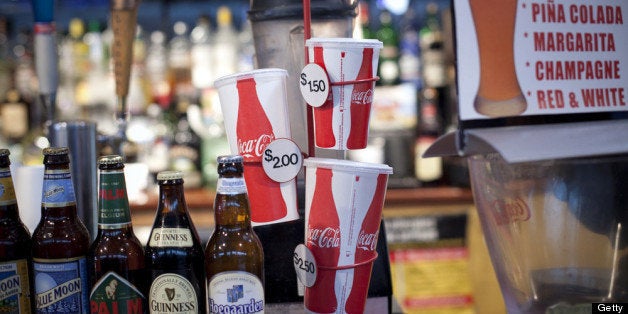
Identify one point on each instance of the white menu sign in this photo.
(531, 57)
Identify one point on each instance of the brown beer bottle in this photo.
(60, 242)
(174, 255)
(117, 274)
(234, 259)
(16, 261)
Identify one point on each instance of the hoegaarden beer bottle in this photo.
(234, 259)
(117, 274)
(60, 242)
(16, 261)
(174, 255)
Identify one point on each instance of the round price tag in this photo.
(305, 265)
(314, 85)
(282, 160)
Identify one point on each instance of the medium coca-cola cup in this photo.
(255, 109)
(342, 122)
(343, 210)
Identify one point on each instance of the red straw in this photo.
(307, 34)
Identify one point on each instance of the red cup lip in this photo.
(265, 72)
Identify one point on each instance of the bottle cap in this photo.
(230, 159)
(110, 160)
(56, 151)
(169, 175)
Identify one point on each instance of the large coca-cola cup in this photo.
(343, 210)
(342, 122)
(255, 111)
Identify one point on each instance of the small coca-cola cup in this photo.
(342, 122)
(343, 210)
(255, 110)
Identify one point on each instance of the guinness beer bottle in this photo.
(60, 242)
(117, 274)
(234, 259)
(174, 253)
(16, 261)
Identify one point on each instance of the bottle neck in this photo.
(8, 201)
(171, 198)
(58, 197)
(231, 207)
(113, 202)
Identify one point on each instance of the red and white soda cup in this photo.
(255, 109)
(343, 211)
(342, 122)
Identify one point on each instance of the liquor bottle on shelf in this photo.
(234, 258)
(60, 242)
(117, 272)
(180, 62)
(157, 70)
(14, 121)
(16, 261)
(429, 171)
(434, 71)
(201, 54)
(226, 46)
(388, 68)
(363, 30)
(174, 254)
(184, 154)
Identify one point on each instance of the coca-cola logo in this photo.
(367, 241)
(510, 210)
(254, 147)
(324, 238)
(362, 97)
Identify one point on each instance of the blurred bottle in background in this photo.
(388, 69)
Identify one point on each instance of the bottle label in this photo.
(113, 204)
(14, 287)
(231, 186)
(58, 190)
(7, 191)
(235, 292)
(171, 237)
(172, 293)
(61, 285)
(114, 294)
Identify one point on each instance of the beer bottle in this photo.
(234, 259)
(16, 261)
(60, 241)
(174, 254)
(118, 271)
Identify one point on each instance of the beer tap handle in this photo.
(123, 23)
(46, 57)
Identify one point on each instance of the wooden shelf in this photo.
(204, 198)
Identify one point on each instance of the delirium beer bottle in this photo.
(234, 259)
(60, 241)
(117, 274)
(16, 261)
(174, 254)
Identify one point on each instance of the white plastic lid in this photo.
(347, 165)
(344, 42)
